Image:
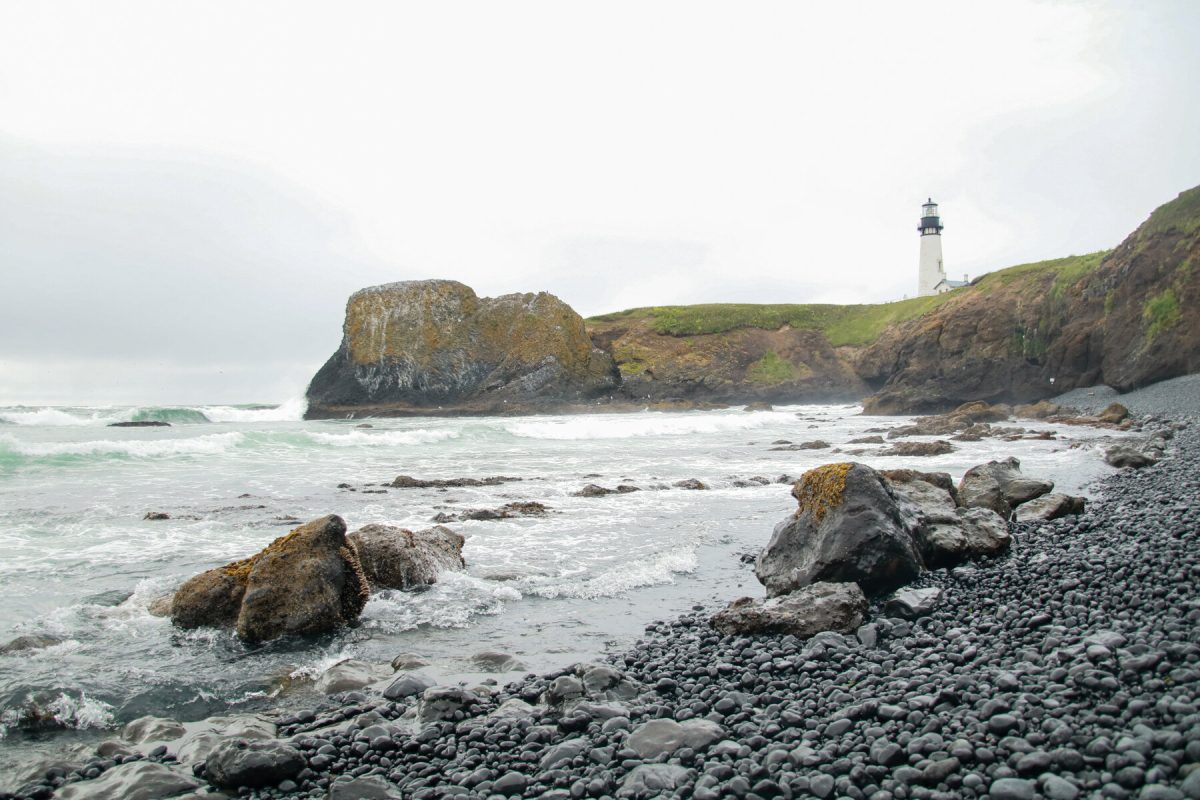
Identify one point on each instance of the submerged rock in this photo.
(143, 423)
(528, 508)
(409, 482)
(137, 780)
(307, 582)
(934, 448)
(848, 529)
(397, 558)
(802, 613)
(23, 643)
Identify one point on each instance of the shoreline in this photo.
(836, 714)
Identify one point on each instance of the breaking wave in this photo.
(291, 411)
(213, 444)
(618, 426)
(358, 438)
(653, 571)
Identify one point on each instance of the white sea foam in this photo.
(52, 417)
(655, 570)
(291, 411)
(357, 438)
(213, 444)
(618, 426)
(77, 713)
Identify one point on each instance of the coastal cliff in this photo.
(1123, 317)
(435, 347)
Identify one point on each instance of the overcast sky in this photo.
(190, 190)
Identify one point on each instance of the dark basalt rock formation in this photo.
(305, 583)
(848, 529)
(434, 346)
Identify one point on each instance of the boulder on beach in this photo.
(307, 582)
(1000, 486)
(802, 613)
(945, 533)
(1125, 455)
(397, 558)
(1051, 506)
(847, 529)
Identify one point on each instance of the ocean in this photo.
(82, 563)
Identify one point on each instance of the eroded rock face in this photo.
(425, 345)
(802, 613)
(397, 558)
(307, 582)
(848, 529)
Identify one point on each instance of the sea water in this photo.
(81, 563)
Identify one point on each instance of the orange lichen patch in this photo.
(820, 489)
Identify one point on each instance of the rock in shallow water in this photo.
(307, 582)
(243, 762)
(397, 558)
(138, 780)
(802, 613)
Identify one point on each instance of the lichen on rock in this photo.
(820, 489)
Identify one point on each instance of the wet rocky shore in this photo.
(1066, 667)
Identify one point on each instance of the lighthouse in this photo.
(931, 277)
(932, 271)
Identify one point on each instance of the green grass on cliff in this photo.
(1181, 214)
(1066, 271)
(842, 325)
(853, 325)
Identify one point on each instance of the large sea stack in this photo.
(434, 346)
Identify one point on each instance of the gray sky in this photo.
(190, 190)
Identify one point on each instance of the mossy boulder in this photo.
(847, 529)
(420, 346)
(397, 558)
(307, 582)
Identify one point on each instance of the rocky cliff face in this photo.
(1126, 317)
(429, 346)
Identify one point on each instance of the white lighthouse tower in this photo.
(932, 272)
